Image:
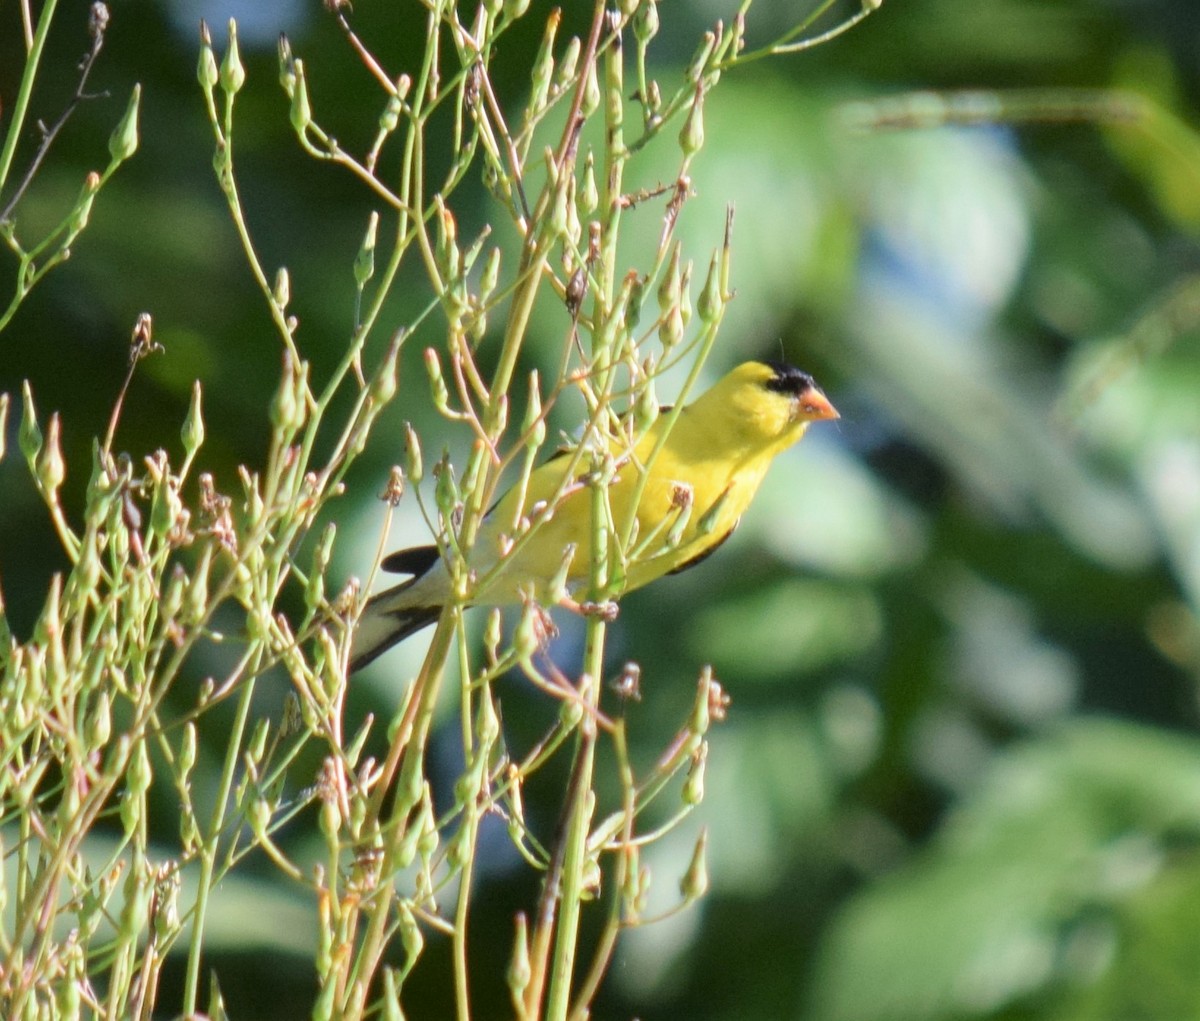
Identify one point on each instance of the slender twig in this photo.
(97, 22)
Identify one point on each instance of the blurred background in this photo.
(961, 776)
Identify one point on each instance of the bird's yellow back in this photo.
(698, 482)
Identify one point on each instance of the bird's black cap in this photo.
(788, 379)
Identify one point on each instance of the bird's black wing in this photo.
(415, 560)
(700, 557)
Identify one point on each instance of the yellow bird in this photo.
(535, 544)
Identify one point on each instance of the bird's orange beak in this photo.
(815, 406)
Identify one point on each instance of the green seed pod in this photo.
(206, 66)
(645, 21)
(51, 468)
(525, 639)
(192, 432)
(364, 262)
(281, 293)
(700, 59)
(567, 62)
(668, 290)
(645, 412)
(711, 302)
(534, 425)
(685, 293)
(670, 328)
(300, 113)
(691, 136)
(83, 207)
(389, 120)
(694, 883)
(446, 251)
(233, 74)
(445, 490)
(330, 820)
(413, 466)
(427, 845)
(123, 142)
(410, 933)
(556, 590)
(558, 221)
(383, 387)
(519, 970)
(591, 92)
(139, 773)
(437, 382)
(490, 276)
(195, 603)
(589, 195)
(543, 64)
(98, 728)
(632, 297)
(165, 506)
(259, 817)
(257, 745)
(136, 894)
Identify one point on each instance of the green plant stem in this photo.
(410, 738)
(579, 817)
(461, 916)
(208, 857)
(16, 126)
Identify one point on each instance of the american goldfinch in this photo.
(535, 543)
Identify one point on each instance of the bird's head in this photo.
(767, 404)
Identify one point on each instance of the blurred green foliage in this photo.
(961, 633)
